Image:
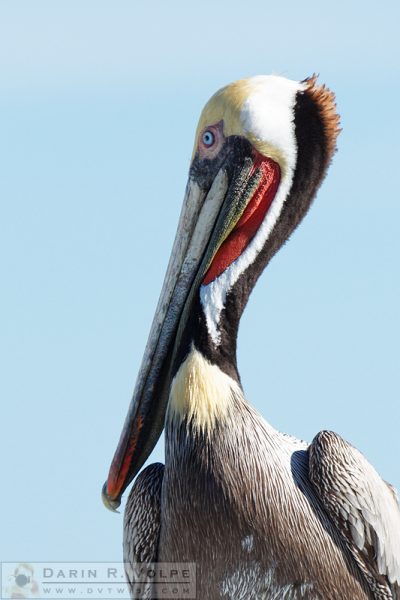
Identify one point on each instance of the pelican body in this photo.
(261, 514)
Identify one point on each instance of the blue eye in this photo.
(208, 138)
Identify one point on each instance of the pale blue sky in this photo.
(98, 106)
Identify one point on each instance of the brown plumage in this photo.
(325, 101)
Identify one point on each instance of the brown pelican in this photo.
(262, 514)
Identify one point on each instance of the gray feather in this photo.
(363, 507)
(142, 522)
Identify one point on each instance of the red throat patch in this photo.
(251, 219)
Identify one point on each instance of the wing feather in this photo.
(364, 508)
(142, 523)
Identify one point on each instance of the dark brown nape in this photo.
(325, 103)
(316, 124)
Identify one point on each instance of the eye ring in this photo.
(208, 138)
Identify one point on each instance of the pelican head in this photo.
(261, 150)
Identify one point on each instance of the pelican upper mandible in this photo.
(261, 514)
